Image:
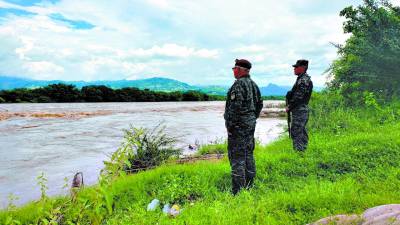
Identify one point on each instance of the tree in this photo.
(192, 96)
(370, 59)
(61, 92)
(98, 93)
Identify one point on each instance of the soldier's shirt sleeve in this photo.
(233, 109)
(227, 104)
(259, 104)
(300, 94)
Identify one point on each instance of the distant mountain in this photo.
(269, 90)
(213, 89)
(155, 84)
(7, 83)
(273, 89)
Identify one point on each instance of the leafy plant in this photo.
(42, 182)
(142, 149)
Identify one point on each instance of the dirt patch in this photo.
(272, 112)
(208, 157)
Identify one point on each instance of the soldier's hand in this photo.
(287, 109)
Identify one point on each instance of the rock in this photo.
(339, 220)
(77, 182)
(386, 219)
(382, 215)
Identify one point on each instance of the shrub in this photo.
(142, 149)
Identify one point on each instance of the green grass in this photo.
(353, 163)
(215, 148)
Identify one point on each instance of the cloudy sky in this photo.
(191, 41)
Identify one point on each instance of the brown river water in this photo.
(60, 139)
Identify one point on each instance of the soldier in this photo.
(243, 107)
(297, 100)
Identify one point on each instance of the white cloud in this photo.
(43, 67)
(27, 47)
(250, 49)
(173, 50)
(159, 3)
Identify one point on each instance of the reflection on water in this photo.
(62, 146)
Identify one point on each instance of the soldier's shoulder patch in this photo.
(233, 96)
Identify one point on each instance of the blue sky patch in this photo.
(29, 2)
(76, 24)
(7, 11)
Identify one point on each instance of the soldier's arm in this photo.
(259, 104)
(227, 104)
(234, 109)
(299, 95)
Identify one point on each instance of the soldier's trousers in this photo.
(240, 152)
(298, 128)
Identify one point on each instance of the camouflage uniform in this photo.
(243, 107)
(298, 99)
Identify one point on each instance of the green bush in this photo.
(142, 149)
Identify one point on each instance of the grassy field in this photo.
(353, 163)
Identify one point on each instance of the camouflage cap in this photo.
(301, 62)
(243, 63)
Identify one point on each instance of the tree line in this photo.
(98, 93)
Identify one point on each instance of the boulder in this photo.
(382, 215)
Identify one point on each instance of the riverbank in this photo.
(352, 164)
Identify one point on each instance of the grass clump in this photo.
(216, 147)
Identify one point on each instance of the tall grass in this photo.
(352, 163)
